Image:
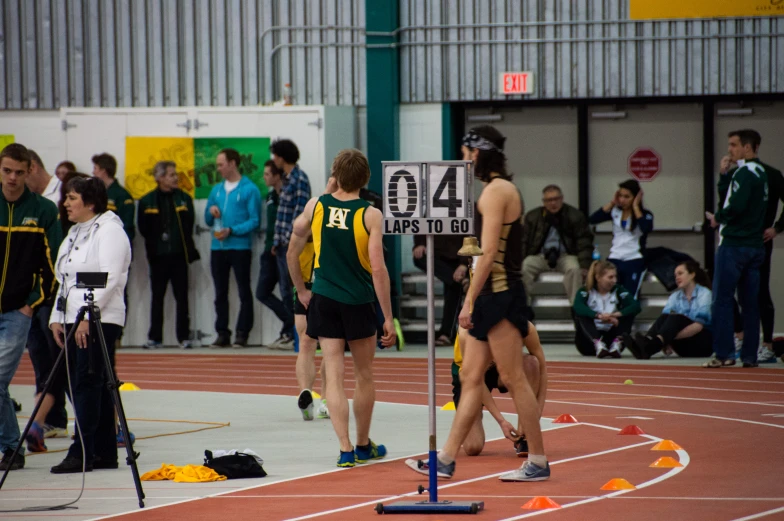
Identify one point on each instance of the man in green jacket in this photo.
(30, 235)
(166, 222)
(741, 223)
(120, 201)
(772, 229)
(557, 238)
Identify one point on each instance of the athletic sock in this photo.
(363, 447)
(445, 459)
(538, 460)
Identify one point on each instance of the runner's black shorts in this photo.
(492, 308)
(299, 309)
(328, 318)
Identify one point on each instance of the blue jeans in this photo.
(737, 268)
(268, 278)
(14, 326)
(284, 282)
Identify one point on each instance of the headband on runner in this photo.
(474, 140)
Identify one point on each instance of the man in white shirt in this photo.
(42, 182)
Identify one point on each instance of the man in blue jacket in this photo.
(233, 212)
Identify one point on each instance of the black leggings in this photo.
(766, 310)
(587, 333)
(668, 326)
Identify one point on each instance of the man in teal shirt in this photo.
(741, 223)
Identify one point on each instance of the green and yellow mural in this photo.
(195, 158)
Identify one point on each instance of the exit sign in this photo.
(516, 82)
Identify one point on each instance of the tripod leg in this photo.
(48, 385)
(114, 389)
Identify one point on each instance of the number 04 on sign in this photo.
(433, 198)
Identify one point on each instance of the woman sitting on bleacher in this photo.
(684, 325)
(604, 311)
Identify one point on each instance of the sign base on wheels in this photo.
(426, 507)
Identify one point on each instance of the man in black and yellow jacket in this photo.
(166, 223)
(30, 235)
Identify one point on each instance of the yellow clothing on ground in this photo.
(186, 474)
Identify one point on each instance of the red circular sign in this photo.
(644, 164)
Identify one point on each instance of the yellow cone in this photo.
(316, 396)
(128, 386)
(449, 407)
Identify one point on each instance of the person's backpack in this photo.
(234, 466)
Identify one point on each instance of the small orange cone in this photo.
(540, 502)
(631, 430)
(666, 445)
(666, 463)
(618, 484)
(565, 418)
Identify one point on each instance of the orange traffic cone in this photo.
(565, 418)
(618, 484)
(631, 430)
(540, 502)
(666, 463)
(666, 445)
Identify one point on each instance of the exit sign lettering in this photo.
(516, 82)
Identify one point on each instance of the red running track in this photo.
(730, 423)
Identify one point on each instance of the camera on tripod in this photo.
(551, 256)
(92, 280)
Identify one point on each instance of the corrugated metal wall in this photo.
(580, 49)
(140, 53)
(144, 53)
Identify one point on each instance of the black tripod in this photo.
(112, 383)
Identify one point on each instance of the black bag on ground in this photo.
(234, 466)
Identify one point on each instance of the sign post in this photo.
(432, 198)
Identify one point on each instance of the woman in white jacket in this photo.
(96, 243)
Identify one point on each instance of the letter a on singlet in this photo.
(337, 218)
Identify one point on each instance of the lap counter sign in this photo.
(429, 198)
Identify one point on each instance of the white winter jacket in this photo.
(98, 245)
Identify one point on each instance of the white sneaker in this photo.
(305, 404)
(738, 347)
(186, 344)
(54, 432)
(323, 412)
(765, 356)
(616, 348)
(601, 349)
